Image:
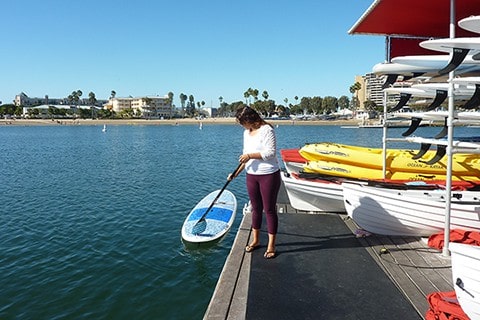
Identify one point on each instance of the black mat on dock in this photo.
(321, 272)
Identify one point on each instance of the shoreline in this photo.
(122, 122)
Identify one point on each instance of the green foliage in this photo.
(10, 109)
(343, 102)
(372, 106)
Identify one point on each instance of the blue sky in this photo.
(208, 48)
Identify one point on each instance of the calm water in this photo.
(90, 221)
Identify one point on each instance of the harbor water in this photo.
(90, 221)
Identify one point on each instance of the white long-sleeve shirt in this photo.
(263, 141)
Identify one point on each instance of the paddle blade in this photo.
(459, 55)
(404, 97)
(474, 100)
(441, 151)
(440, 96)
(413, 126)
(199, 227)
(444, 131)
(423, 149)
(391, 78)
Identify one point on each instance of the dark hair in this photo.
(245, 114)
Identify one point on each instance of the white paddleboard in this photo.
(427, 70)
(413, 91)
(447, 44)
(402, 68)
(467, 80)
(471, 24)
(460, 91)
(431, 61)
(440, 115)
(218, 220)
(429, 90)
(456, 143)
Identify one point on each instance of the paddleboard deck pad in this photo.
(218, 220)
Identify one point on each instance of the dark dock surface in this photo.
(323, 270)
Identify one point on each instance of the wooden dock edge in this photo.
(229, 300)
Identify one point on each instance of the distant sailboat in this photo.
(201, 126)
(104, 128)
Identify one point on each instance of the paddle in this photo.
(201, 224)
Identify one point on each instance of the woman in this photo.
(259, 159)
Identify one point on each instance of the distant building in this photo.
(22, 99)
(42, 111)
(210, 112)
(147, 107)
(372, 90)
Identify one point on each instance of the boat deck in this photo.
(325, 270)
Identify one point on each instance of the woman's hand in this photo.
(234, 174)
(244, 158)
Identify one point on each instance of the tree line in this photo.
(190, 108)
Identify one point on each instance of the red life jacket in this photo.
(444, 306)
(456, 235)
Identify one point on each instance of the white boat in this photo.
(313, 194)
(292, 160)
(309, 194)
(466, 277)
(293, 167)
(409, 212)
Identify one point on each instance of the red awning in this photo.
(419, 18)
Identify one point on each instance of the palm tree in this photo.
(354, 91)
(113, 94)
(246, 95)
(191, 103)
(265, 95)
(92, 100)
(170, 101)
(183, 99)
(255, 95)
(79, 94)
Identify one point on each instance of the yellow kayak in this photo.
(345, 170)
(397, 160)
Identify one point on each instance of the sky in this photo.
(208, 49)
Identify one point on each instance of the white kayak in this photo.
(217, 222)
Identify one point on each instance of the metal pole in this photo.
(451, 107)
(384, 140)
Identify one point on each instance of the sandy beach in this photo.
(210, 121)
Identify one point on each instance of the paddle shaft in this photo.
(218, 196)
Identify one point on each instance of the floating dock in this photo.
(326, 269)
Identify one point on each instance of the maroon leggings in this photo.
(263, 192)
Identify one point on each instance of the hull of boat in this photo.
(466, 277)
(390, 211)
(313, 195)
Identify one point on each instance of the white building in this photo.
(147, 107)
(22, 99)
